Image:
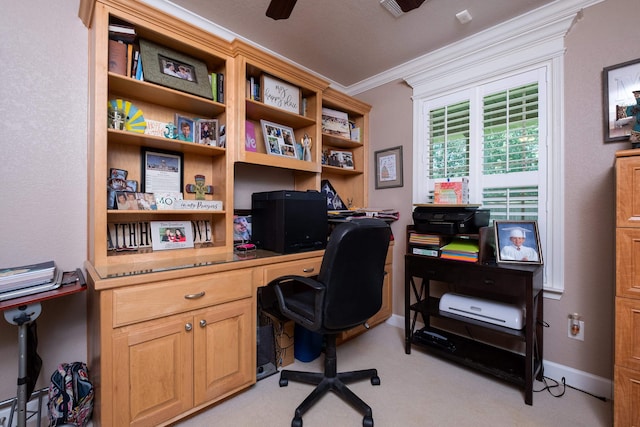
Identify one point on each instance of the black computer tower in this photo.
(289, 221)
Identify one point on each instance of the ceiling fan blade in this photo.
(281, 9)
(407, 5)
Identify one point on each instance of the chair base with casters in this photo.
(331, 380)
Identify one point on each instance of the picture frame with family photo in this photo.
(279, 140)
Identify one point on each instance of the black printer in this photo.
(449, 219)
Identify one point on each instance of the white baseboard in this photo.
(598, 386)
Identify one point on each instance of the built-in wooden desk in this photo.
(167, 339)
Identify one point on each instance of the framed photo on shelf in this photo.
(280, 94)
(207, 132)
(185, 128)
(279, 140)
(335, 122)
(161, 171)
(389, 168)
(341, 159)
(171, 235)
(242, 225)
(620, 84)
(132, 201)
(517, 242)
(175, 70)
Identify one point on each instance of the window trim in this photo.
(507, 49)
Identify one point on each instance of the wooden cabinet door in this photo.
(627, 261)
(627, 339)
(153, 371)
(626, 397)
(628, 191)
(224, 350)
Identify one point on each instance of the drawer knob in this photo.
(308, 270)
(188, 327)
(194, 296)
(488, 282)
(203, 323)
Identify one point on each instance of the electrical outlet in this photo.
(580, 335)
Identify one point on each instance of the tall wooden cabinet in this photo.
(627, 301)
(173, 331)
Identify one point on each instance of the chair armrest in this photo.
(283, 287)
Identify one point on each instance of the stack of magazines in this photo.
(28, 279)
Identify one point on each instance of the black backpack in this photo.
(70, 395)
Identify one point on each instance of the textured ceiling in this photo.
(348, 41)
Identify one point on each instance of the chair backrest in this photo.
(353, 272)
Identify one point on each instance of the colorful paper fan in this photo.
(135, 120)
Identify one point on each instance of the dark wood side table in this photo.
(21, 312)
(520, 285)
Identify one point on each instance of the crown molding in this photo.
(549, 23)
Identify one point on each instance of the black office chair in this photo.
(346, 293)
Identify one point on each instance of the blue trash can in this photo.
(307, 345)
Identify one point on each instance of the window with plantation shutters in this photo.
(494, 134)
(490, 109)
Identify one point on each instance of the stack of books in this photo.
(28, 279)
(461, 250)
(430, 244)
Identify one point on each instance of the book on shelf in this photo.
(129, 59)
(220, 87)
(432, 251)
(213, 79)
(451, 192)
(117, 57)
(250, 136)
(428, 239)
(121, 32)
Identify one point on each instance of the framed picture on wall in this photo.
(389, 168)
(621, 97)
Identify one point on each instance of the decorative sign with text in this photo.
(280, 94)
(138, 236)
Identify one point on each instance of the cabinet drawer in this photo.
(487, 283)
(627, 336)
(305, 267)
(628, 192)
(628, 262)
(432, 268)
(168, 297)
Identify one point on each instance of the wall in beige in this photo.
(593, 42)
(44, 168)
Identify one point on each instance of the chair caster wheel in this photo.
(367, 422)
(375, 380)
(297, 422)
(283, 382)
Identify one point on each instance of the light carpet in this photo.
(415, 390)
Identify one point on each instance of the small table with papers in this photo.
(22, 311)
